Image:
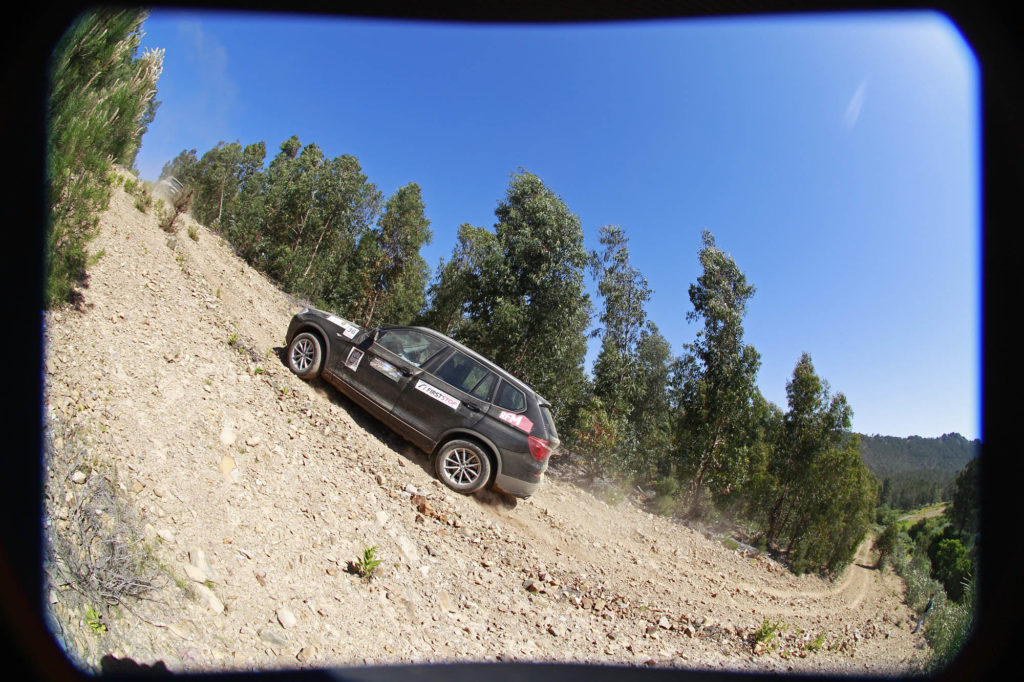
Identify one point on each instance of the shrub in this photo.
(100, 104)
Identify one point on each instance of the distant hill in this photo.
(919, 470)
(891, 455)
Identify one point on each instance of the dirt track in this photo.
(172, 376)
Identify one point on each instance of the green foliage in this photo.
(816, 495)
(180, 204)
(94, 620)
(951, 565)
(367, 564)
(950, 624)
(886, 543)
(101, 101)
(625, 292)
(715, 381)
(307, 221)
(917, 471)
(390, 273)
(963, 514)
(516, 295)
(816, 643)
(766, 632)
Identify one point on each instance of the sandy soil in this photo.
(171, 375)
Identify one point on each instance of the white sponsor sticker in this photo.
(520, 421)
(348, 330)
(437, 394)
(386, 368)
(354, 356)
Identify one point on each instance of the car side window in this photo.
(510, 397)
(462, 372)
(411, 345)
(483, 389)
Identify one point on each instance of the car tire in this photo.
(463, 466)
(305, 355)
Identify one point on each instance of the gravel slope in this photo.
(171, 375)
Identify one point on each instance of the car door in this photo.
(381, 369)
(452, 394)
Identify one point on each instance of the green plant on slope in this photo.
(366, 565)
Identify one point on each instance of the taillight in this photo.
(538, 448)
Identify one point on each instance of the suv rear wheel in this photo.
(463, 466)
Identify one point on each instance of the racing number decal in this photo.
(354, 356)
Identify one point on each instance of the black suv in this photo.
(481, 425)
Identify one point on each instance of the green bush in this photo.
(100, 104)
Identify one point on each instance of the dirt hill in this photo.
(251, 491)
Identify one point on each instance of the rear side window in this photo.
(463, 373)
(549, 422)
(510, 397)
(483, 389)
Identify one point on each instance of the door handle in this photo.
(471, 406)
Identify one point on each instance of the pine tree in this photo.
(102, 100)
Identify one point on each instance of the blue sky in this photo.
(835, 157)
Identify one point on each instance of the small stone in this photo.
(664, 623)
(273, 638)
(252, 441)
(227, 435)
(555, 631)
(227, 465)
(445, 602)
(199, 560)
(166, 535)
(79, 477)
(196, 574)
(286, 618)
(210, 599)
(306, 654)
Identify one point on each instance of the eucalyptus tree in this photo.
(391, 272)
(517, 295)
(625, 293)
(822, 493)
(650, 417)
(715, 381)
(449, 293)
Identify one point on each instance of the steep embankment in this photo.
(270, 486)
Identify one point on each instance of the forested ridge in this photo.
(916, 471)
(948, 453)
(693, 427)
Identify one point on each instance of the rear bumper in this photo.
(516, 487)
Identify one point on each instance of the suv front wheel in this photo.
(463, 466)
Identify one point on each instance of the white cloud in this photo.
(855, 106)
(213, 92)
